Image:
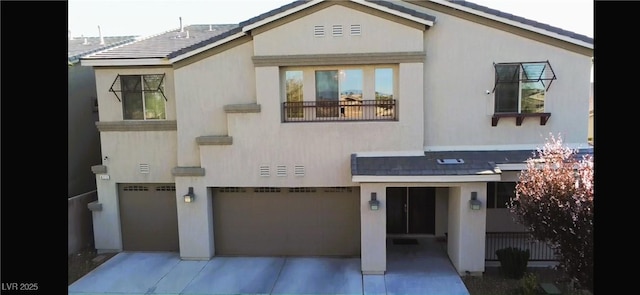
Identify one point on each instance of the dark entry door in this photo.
(411, 210)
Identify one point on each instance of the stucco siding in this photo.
(125, 151)
(459, 70)
(378, 35)
(323, 148)
(203, 89)
(109, 105)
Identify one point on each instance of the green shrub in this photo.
(529, 284)
(513, 262)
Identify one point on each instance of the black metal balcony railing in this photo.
(538, 250)
(323, 111)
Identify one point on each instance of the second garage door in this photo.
(287, 221)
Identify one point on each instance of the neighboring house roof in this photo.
(82, 46)
(174, 46)
(473, 163)
(162, 45)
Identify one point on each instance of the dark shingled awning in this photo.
(431, 164)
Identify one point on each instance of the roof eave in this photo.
(205, 48)
(426, 178)
(117, 62)
(514, 23)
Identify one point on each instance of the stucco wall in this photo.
(203, 89)
(459, 69)
(323, 148)
(378, 35)
(83, 139)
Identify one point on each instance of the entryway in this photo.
(411, 210)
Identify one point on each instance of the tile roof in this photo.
(82, 46)
(174, 43)
(162, 45)
(523, 20)
(474, 163)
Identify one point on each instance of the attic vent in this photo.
(144, 168)
(336, 30)
(302, 190)
(166, 188)
(450, 161)
(338, 189)
(266, 190)
(281, 170)
(318, 31)
(135, 188)
(264, 171)
(356, 30)
(298, 170)
(232, 190)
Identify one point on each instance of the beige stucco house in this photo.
(325, 127)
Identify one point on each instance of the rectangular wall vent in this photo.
(264, 171)
(281, 170)
(336, 30)
(356, 30)
(318, 31)
(298, 170)
(144, 168)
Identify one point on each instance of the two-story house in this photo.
(322, 128)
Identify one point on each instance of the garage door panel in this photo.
(148, 217)
(287, 223)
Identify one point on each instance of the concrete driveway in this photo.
(412, 269)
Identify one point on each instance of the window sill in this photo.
(520, 117)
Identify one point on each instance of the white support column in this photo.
(467, 229)
(106, 220)
(195, 220)
(373, 230)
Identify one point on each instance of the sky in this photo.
(150, 17)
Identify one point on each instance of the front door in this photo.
(411, 210)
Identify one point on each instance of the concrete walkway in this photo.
(412, 269)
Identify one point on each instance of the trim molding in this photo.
(99, 169)
(163, 125)
(214, 140)
(343, 59)
(424, 178)
(187, 171)
(242, 108)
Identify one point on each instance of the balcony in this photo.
(339, 111)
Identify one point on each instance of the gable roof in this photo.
(82, 46)
(169, 47)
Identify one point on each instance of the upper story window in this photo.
(499, 194)
(339, 94)
(520, 89)
(142, 96)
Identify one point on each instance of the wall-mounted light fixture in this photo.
(474, 202)
(190, 196)
(374, 204)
